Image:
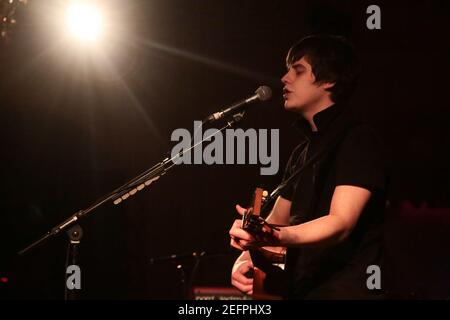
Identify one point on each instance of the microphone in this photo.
(263, 93)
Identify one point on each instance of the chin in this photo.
(292, 107)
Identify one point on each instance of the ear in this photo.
(328, 85)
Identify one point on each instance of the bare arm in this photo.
(346, 206)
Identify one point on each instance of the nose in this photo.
(285, 78)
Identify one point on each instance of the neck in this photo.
(316, 108)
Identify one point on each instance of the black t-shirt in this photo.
(339, 271)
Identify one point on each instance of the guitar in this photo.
(268, 262)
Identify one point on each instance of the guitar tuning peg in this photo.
(265, 194)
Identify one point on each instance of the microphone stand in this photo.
(75, 234)
(186, 279)
(122, 193)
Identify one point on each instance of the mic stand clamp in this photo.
(75, 233)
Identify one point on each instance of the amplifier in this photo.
(219, 293)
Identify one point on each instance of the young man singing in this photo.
(334, 210)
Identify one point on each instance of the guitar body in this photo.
(267, 273)
(268, 277)
(259, 293)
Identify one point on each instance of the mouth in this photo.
(286, 92)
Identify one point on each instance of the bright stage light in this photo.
(84, 21)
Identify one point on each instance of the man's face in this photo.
(300, 91)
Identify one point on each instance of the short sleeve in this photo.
(360, 160)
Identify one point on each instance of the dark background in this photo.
(71, 132)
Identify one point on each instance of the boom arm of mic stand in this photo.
(126, 190)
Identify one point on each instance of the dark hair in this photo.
(333, 59)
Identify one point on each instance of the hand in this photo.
(240, 239)
(238, 277)
(243, 240)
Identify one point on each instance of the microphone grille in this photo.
(264, 93)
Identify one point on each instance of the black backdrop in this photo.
(71, 133)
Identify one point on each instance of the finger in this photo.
(240, 244)
(241, 234)
(241, 278)
(240, 210)
(236, 244)
(242, 266)
(245, 266)
(247, 289)
(237, 223)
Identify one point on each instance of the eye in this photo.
(298, 71)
